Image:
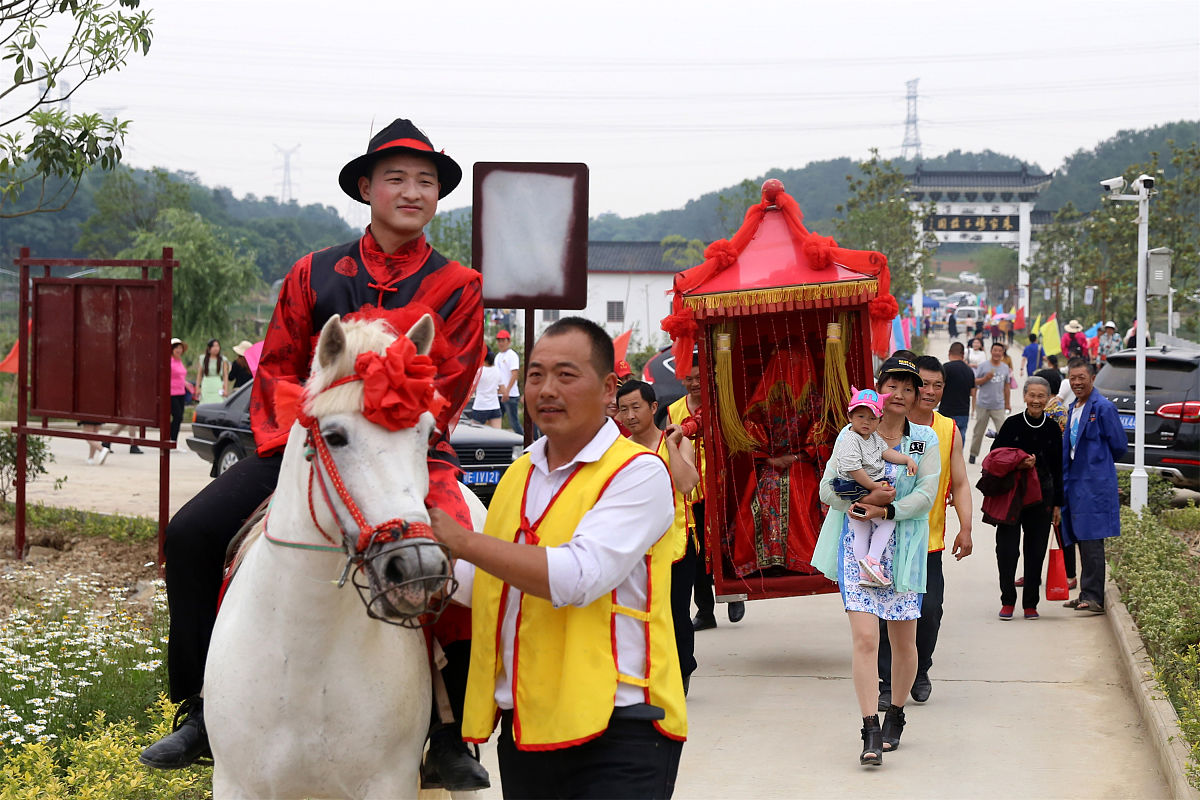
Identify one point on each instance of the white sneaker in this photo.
(91, 461)
(102, 457)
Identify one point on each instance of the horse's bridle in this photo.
(392, 535)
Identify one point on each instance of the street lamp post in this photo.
(1144, 186)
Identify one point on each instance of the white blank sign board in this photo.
(530, 234)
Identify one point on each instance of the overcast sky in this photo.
(663, 100)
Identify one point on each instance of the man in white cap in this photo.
(1109, 342)
(509, 364)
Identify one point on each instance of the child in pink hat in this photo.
(860, 454)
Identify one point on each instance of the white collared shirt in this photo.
(606, 552)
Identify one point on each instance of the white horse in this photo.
(306, 694)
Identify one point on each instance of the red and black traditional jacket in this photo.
(346, 278)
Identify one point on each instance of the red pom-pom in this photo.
(884, 308)
(722, 252)
(819, 251)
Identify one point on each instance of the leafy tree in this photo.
(998, 268)
(45, 150)
(1062, 263)
(450, 234)
(1100, 248)
(682, 252)
(212, 274)
(877, 216)
(732, 204)
(127, 204)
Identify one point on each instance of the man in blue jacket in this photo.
(1092, 441)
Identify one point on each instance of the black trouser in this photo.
(176, 416)
(702, 592)
(454, 676)
(1069, 559)
(631, 759)
(1035, 522)
(683, 572)
(1091, 571)
(927, 626)
(196, 540)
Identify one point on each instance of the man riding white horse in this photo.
(401, 177)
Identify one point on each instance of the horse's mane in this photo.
(361, 336)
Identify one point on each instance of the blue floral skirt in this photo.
(882, 601)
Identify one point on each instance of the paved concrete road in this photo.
(1030, 709)
(123, 484)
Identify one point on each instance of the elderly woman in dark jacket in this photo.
(1038, 435)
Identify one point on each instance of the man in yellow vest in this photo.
(952, 484)
(682, 409)
(637, 408)
(573, 650)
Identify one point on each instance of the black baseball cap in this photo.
(902, 366)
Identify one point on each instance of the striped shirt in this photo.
(856, 452)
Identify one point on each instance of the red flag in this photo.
(1019, 322)
(11, 361)
(9, 364)
(620, 345)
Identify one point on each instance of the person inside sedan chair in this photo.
(569, 586)
(390, 267)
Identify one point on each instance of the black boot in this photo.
(872, 738)
(187, 743)
(893, 726)
(736, 611)
(450, 765)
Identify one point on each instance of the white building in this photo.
(628, 286)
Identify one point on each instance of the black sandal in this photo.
(872, 737)
(893, 726)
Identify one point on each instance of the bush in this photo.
(101, 762)
(1159, 491)
(1157, 576)
(37, 456)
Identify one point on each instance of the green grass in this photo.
(74, 522)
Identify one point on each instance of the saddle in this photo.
(232, 561)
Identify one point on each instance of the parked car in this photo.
(962, 299)
(660, 373)
(221, 435)
(1172, 412)
(971, 278)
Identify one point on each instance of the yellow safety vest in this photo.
(565, 662)
(945, 429)
(679, 528)
(677, 412)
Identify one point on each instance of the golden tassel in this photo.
(837, 382)
(737, 438)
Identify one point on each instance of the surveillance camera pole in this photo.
(1139, 480)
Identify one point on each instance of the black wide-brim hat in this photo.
(399, 137)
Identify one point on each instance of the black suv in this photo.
(221, 434)
(1172, 409)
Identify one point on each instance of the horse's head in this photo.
(369, 403)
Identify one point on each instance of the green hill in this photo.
(820, 186)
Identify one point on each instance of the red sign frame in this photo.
(94, 350)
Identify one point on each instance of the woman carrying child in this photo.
(904, 556)
(862, 467)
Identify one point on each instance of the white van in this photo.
(966, 316)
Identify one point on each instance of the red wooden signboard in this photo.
(95, 349)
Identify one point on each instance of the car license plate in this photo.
(1128, 422)
(481, 477)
